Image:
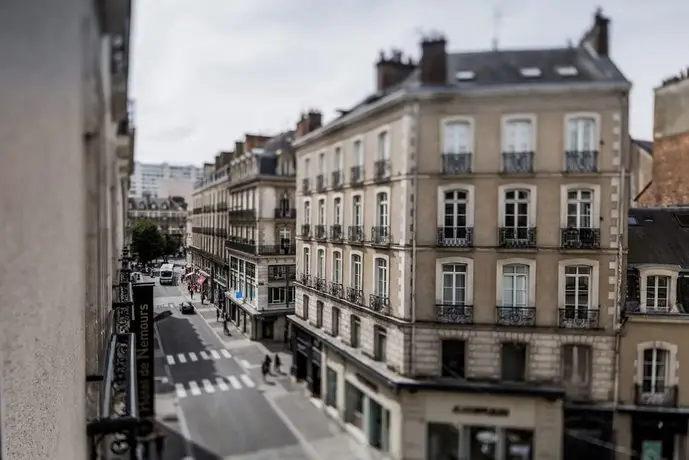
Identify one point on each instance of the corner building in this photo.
(457, 254)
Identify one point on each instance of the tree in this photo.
(171, 245)
(147, 241)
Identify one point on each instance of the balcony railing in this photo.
(580, 238)
(242, 213)
(355, 234)
(247, 246)
(336, 233)
(379, 303)
(581, 161)
(665, 396)
(517, 162)
(305, 231)
(578, 318)
(282, 213)
(381, 236)
(457, 163)
(634, 307)
(335, 289)
(304, 279)
(381, 169)
(305, 186)
(319, 284)
(455, 237)
(356, 175)
(320, 183)
(455, 314)
(516, 316)
(283, 249)
(337, 179)
(321, 232)
(517, 237)
(355, 295)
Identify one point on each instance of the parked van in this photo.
(167, 274)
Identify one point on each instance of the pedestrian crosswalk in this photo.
(192, 357)
(211, 386)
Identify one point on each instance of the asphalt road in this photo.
(223, 413)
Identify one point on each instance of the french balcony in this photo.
(319, 284)
(456, 163)
(304, 279)
(581, 161)
(337, 179)
(381, 170)
(336, 233)
(517, 162)
(356, 175)
(663, 396)
(517, 237)
(516, 316)
(580, 238)
(335, 289)
(637, 308)
(380, 236)
(320, 183)
(321, 232)
(288, 248)
(355, 295)
(242, 214)
(455, 313)
(246, 246)
(379, 303)
(306, 231)
(355, 234)
(455, 237)
(283, 213)
(306, 186)
(578, 318)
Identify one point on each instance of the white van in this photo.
(167, 274)
(135, 277)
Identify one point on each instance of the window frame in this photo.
(383, 154)
(445, 121)
(531, 288)
(572, 116)
(672, 364)
(321, 251)
(354, 319)
(443, 189)
(359, 153)
(322, 164)
(532, 217)
(321, 217)
(351, 270)
(514, 117)
(362, 210)
(380, 353)
(469, 289)
(382, 191)
(306, 206)
(646, 271)
(574, 367)
(375, 279)
(594, 282)
(527, 363)
(335, 253)
(338, 196)
(596, 204)
(306, 260)
(338, 160)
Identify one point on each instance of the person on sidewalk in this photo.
(278, 363)
(217, 315)
(265, 368)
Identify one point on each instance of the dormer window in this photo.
(465, 75)
(142, 205)
(530, 72)
(567, 71)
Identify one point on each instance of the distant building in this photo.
(150, 177)
(169, 214)
(176, 187)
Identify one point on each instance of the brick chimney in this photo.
(392, 70)
(598, 36)
(253, 141)
(238, 149)
(433, 60)
(309, 122)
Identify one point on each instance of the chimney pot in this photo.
(433, 60)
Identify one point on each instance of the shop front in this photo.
(656, 433)
(588, 433)
(307, 358)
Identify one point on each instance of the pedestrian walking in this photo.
(278, 363)
(264, 370)
(217, 315)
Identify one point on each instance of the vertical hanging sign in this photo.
(143, 328)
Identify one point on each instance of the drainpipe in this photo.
(415, 178)
(618, 294)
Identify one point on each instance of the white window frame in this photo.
(338, 160)
(338, 196)
(334, 256)
(469, 189)
(306, 206)
(379, 215)
(307, 168)
(645, 272)
(671, 366)
(374, 275)
(595, 210)
(458, 119)
(531, 281)
(362, 212)
(321, 263)
(439, 277)
(322, 164)
(576, 349)
(507, 119)
(351, 270)
(570, 117)
(321, 217)
(360, 155)
(594, 283)
(306, 260)
(533, 202)
(385, 131)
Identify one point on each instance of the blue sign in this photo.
(238, 295)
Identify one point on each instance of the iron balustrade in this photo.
(319, 284)
(516, 316)
(283, 249)
(336, 233)
(581, 161)
(320, 183)
(456, 163)
(381, 169)
(577, 318)
(381, 235)
(355, 234)
(356, 175)
(661, 396)
(305, 186)
(321, 232)
(304, 279)
(517, 162)
(337, 180)
(246, 214)
(355, 295)
(282, 213)
(247, 246)
(455, 237)
(306, 231)
(335, 289)
(379, 303)
(455, 313)
(517, 237)
(580, 238)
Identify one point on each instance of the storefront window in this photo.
(483, 442)
(354, 413)
(518, 444)
(442, 441)
(331, 387)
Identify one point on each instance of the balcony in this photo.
(305, 231)
(577, 318)
(380, 236)
(580, 238)
(355, 234)
(517, 162)
(637, 308)
(283, 249)
(581, 161)
(304, 279)
(282, 213)
(514, 316)
(355, 295)
(319, 284)
(381, 170)
(337, 179)
(336, 233)
(335, 289)
(661, 397)
(247, 246)
(242, 214)
(455, 313)
(379, 303)
(320, 183)
(356, 175)
(517, 237)
(306, 186)
(221, 207)
(321, 232)
(456, 163)
(455, 237)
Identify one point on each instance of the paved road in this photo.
(223, 412)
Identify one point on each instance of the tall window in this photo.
(320, 265)
(307, 213)
(339, 164)
(357, 214)
(321, 212)
(518, 136)
(321, 163)
(358, 153)
(457, 137)
(452, 358)
(581, 134)
(356, 273)
(657, 293)
(381, 278)
(337, 267)
(307, 168)
(383, 152)
(517, 210)
(354, 331)
(455, 214)
(307, 261)
(285, 236)
(655, 370)
(576, 364)
(454, 284)
(513, 365)
(579, 209)
(577, 290)
(337, 211)
(515, 285)
(382, 210)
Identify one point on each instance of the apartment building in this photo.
(169, 214)
(641, 170)
(460, 244)
(159, 179)
(67, 156)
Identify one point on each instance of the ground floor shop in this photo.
(588, 433)
(651, 433)
(257, 325)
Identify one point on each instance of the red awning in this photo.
(202, 279)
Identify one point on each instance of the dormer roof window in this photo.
(567, 71)
(465, 75)
(530, 72)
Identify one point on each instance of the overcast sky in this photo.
(207, 71)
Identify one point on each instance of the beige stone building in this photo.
(459, 253)
(169, 214)
(67, 153)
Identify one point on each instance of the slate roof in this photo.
(159, 204)
(659, 236)
(267, 156)
(646, 145)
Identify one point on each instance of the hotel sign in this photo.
(143, 328)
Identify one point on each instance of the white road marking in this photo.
(221, 384)
(204, 355)
(215, 354)
(208, 386)
(247, 381)
(194, 388)
(181, 392)
(225, 353)
(234, 382)
(181, 358)
(193, 357)
(170, 360)
(246, 363)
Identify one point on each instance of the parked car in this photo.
(186, 308)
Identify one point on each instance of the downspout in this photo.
(618, 291)
(415, 178)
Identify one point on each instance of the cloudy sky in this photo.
(207, 71)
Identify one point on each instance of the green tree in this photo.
(147, 241)
(171, 245)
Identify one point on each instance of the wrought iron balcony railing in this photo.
(356, 175)
(517, 237)
(580, 238)
(282, 213)
(242, 214)
(381, 236)
(321, 232)
(516, 316)
(517, 162)
(320, 183)
(306, 186)
(355, 234)
(581, 161)
(306, 231)
(247, 246)
(379, 303)
(318, 283)
(287, 248)
(455, 237)
(336, 233)
(456, 163)
(662, 396)
(455, 313)
(577, 318)
(337, 179)
(335, 289)
(355, 295)
(381, 169)
(304, 279)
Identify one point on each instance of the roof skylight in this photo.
(567, 71)
(464, 75)
(530, 72)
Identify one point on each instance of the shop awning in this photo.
(188, 275)
(202, 279)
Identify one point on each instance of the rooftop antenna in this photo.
(497, 17)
